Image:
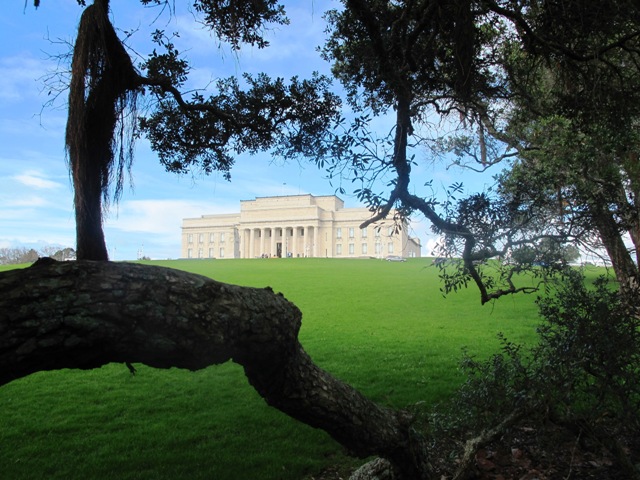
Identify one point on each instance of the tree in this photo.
(102, 116)
(571, 125)
(103, 91)
(104, 84)
(412, 60)
(500, 67)
(17, 255)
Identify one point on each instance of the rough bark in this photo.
(625, 269)
(86, 314)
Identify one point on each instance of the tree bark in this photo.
(85, 314)
(626, 271)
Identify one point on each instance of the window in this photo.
(212, 237)
(351, 232)
(390, 231)
(377, 232)
(339, 249)
(191, 238)
(199, 253)
(339, 232)
(364, 248)
(364, 232)
(378, 247)
(221, 252)
(201, 238)
(302, 232)
(390, 247)
(222, 237)
(211, 254)
(352, 249)
(190, 253)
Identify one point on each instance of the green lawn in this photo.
(381, 326)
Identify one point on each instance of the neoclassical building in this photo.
(294, 226)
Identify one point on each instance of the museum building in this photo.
(294, 226)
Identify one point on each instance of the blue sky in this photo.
(35, 190)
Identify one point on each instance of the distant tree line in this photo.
(13, 255)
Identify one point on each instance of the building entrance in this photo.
(279, 249)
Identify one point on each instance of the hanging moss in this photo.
(100, 125)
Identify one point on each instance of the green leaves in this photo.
(240, 22)
(167, 66)
(258, 114)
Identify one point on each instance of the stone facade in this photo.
(294, 226)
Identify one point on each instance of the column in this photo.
(315, 241)
(252, 243)
(244, 243)
(262, 233)
(294, 241)
(306, 244)
(273, 242)
(286, 248)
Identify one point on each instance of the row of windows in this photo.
(363, 232)
(364, 248)
(201, 236)
(201, 253)
(279, 232)
(351, 231)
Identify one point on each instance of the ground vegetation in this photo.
(505, 69)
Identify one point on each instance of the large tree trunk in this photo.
(103, 84)
(86, 314)
(625, 269)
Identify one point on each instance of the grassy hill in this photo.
(382, 326)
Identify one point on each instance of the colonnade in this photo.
(285, 241)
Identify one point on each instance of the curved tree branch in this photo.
(597, 54)
(86, 314)
(167, 87)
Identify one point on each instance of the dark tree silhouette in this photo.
(412, 59)
(102, 93)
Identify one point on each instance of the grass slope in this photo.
(381, 326)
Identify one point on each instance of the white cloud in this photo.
(37, 180)
(162, 217)
(430, 246)
(27, 202)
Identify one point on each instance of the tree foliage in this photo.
(249, 115)
(497, 71)
(549, 88)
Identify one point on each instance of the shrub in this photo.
(582, 377)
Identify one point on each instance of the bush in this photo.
(591, 341)
(582, 377)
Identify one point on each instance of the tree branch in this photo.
(86, 314)
(167, 87)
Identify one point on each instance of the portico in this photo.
(279, 241)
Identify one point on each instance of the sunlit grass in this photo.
(383, 327)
